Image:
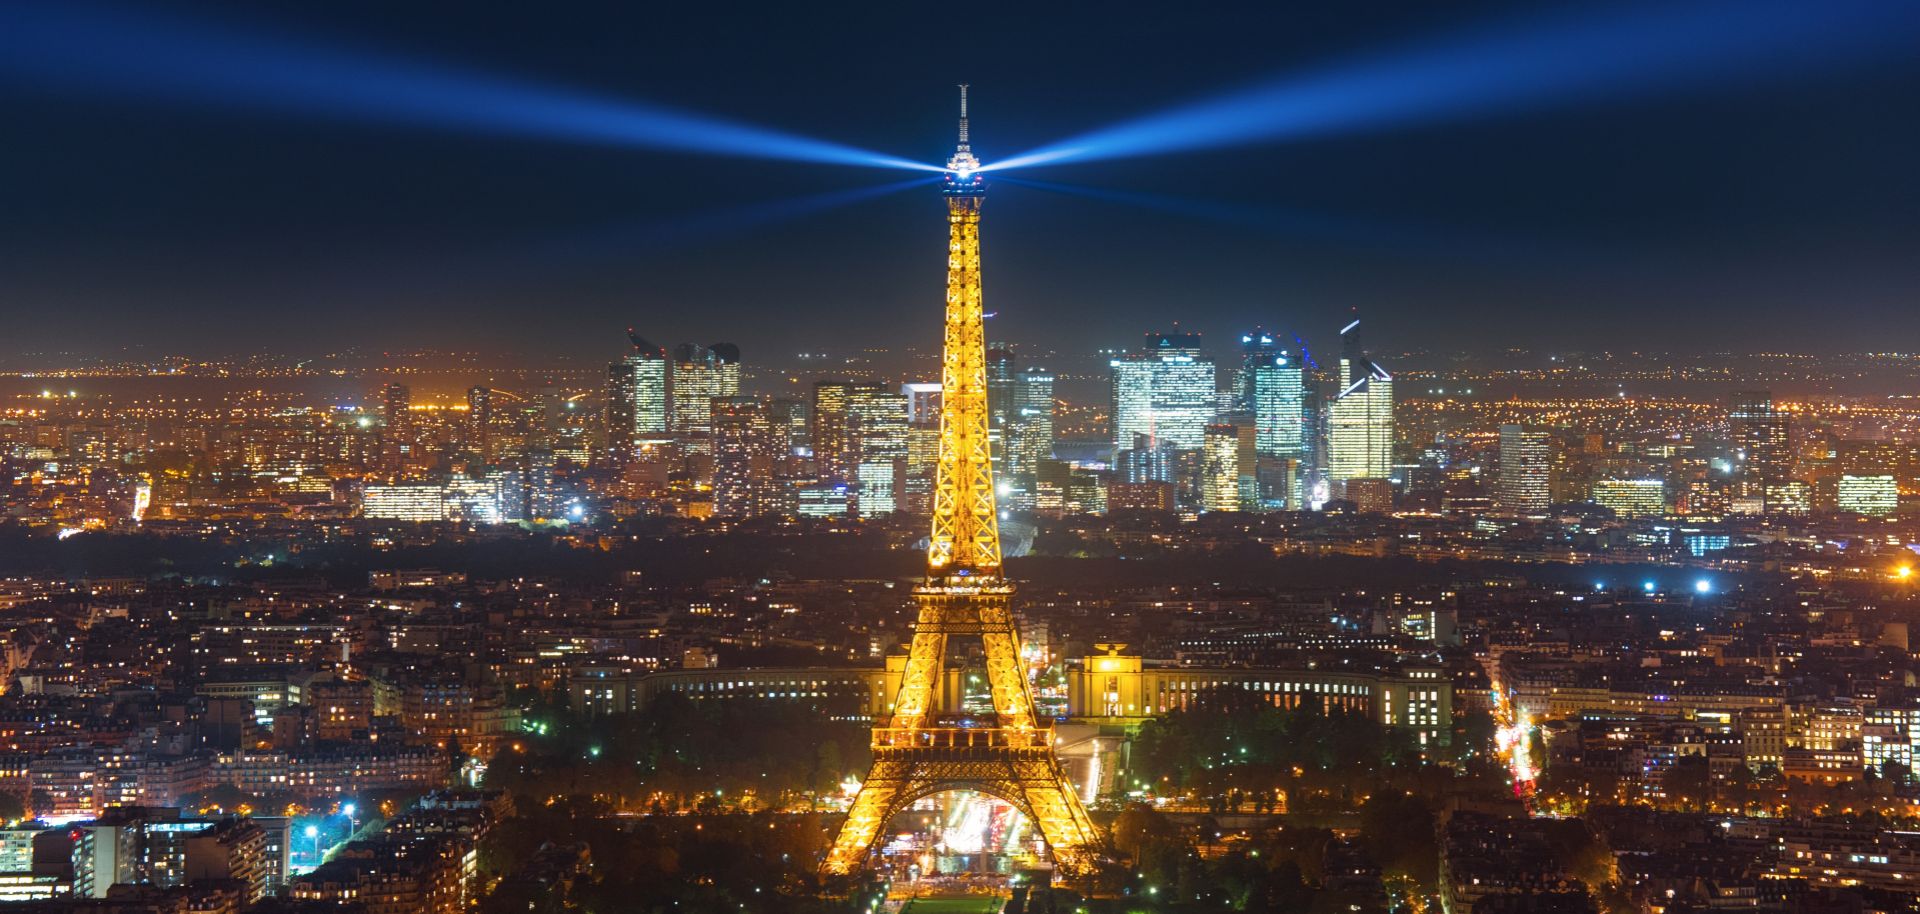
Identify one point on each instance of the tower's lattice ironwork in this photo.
(920, 750)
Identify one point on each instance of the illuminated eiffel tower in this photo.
(920, 751)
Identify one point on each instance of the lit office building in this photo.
(1631, 497)
(923, 402)
(878, 431)
(1030, 424)
(1760, 435)
(1870, 495)
(396, 436)
(636, 400)
(823, 500)
(1277, 394)
(831, 453)
(420, 502)
(745, 450)
(1166, 392)
(1001, 379)
(1132, 400)
(1360, 421)
(1258, 348)
(789, 420)
(1763, 451)
(1526, 458)
(923, 445)
(699, 377)
(1792, 497)
(479, 429)
(1148, 460)
(1276, 399)
(1220, 469)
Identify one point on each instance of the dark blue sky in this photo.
(1777, 211)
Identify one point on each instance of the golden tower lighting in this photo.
(924, 749)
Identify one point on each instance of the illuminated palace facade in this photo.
(1111, 689)
(1106, 698)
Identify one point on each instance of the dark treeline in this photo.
(748, 553)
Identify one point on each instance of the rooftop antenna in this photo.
(963, 117)
(963, 164)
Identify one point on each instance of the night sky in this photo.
(1781, 209)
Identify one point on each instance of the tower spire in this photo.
(963, 117)
(963, 162)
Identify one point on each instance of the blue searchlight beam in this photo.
(1597, 54)
(1452, 242)
(81, 47)
(628, 238)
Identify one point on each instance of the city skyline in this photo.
(990, 602)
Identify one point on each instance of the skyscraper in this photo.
(923, 444)
(1360, 421)
(636, 399)
(1165, 391)
(1029, 425)
(746, 447)
(480, 422)
(1276, 400)
(1147, 460)
(923, 402)
(1526, 459)
(830, 451)
(878, 431)
(1257, 348)
(396, 436)
(699, 377)
(1277, 395)
(1762, 450)
(1220, 469)
(1132, 414)
(1000, 397)
(790, 423)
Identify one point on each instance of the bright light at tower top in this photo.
(963, 164)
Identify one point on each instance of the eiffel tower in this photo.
(921, 751)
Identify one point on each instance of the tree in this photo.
(1896, 772)
(1398, 831)
(1688, 782)
(12, 806)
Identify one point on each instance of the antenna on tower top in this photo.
(963, 116)
(963, 164)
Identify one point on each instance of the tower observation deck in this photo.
(924, 749)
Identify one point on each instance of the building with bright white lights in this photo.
(420, 502)
(878, 432)
(1525, 461)
(1278, 397)
(1360, 420)
(1631, 497)
(1166, 392)
(1870, 495)
(700, 376)
(636, 399)
(1030, 424)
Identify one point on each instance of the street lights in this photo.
(313, 832)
